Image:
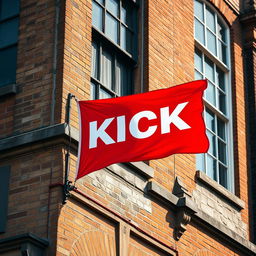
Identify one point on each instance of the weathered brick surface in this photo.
(34, 65)
(33, 207)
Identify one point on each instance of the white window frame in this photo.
(226, 68)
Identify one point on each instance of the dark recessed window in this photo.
(9, 26)
(4, 192)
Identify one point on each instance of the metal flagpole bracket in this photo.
(67, 186)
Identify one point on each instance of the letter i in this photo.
(121, 129)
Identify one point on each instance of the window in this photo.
(4, 191)
(113, 47)
(212, 62)
(9, 26)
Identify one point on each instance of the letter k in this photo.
(99, 133)
(167, 119)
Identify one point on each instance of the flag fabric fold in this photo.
(141, 127)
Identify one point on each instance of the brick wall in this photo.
(169, 55)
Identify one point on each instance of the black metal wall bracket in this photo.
(67, 187)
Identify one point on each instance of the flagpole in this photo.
(67, 187)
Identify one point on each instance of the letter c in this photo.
(134, 125)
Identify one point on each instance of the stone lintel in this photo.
(162, 194)
(143, 168)
(27, 244)
(37, 135)
(232, 199)
(8, 89)
(202, 219)
(229, 236)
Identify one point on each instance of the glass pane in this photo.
(221, 129)
(210, 93)
(223, 176)
(107, 67)
(211, 42)
(220, 78)
(198, 60)
(103, 94)
(222, 152)
(111, 27)
(100, 1)
(222, 102)
(119, 79)
(212, 148)
(112, 6)
(126, 39)
(95, 61)
(123, 37)
(97, 12)
(211, 167)
(9, 32)
(93, 91)
(199, 32)
(210, 21)
(209, 69)
(122, 79)
(8, 65)
(221, 31)
(8, 8)
(126, 14)
(222, 52)
(210, 123)
(200, 162)
(199, 10)
(198, 76)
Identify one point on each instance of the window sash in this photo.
(218, 161)
(212, 35)
(111, 77)
(123, 33)
(205, 68)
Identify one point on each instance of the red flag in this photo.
(141, 127)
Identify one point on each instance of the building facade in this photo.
(184, 204)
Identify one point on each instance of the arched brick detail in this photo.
(204, 252)
(94, 243)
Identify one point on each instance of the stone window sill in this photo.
(220, 190)
(8, 89)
